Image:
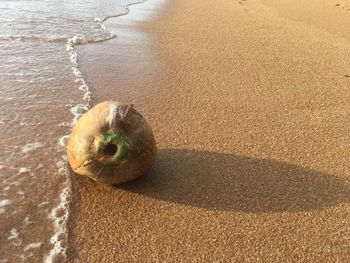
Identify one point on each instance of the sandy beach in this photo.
(249, 104)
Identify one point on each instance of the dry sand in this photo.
(250, 108)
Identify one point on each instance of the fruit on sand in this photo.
(111, 143)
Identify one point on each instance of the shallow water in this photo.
(42, 94)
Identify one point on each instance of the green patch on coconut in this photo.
(111, 147)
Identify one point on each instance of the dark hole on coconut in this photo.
(110, 149)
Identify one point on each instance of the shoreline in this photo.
(249, 113)
(60, 213)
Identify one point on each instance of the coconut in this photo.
(111, 143)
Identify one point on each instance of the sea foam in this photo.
(31, 147)
(13, 234)
(33, 246)
(3, 203)
(60, 213)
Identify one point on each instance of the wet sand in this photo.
(250, 111)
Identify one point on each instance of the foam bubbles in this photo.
(77, 111)
(62, 142)
(33, 246)
(31, 147)
(27, 220)
(3, 203)
(42, 204)
(13, 234)
(64, 124)
(23, 170)
(59, 215)
(78, 40)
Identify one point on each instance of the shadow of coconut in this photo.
(228, 182)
